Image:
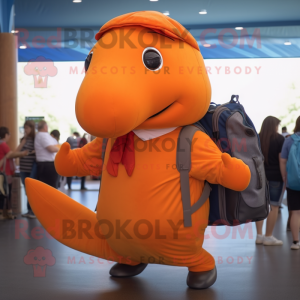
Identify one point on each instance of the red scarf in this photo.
(122, 151)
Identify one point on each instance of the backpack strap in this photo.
(104, 143)
(183, 165)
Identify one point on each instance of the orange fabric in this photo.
(82, 162)
(150, 19)
(152, 193)
(205, 262)
(62, 217)
(118, 95)
(129, 94)
(208, 163)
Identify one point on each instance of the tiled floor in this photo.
(245, 271)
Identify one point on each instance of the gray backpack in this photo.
(227, 207)
(234, 133)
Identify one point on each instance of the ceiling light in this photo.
(153, 0)
(239, 28)
(166, 13)
(206, 45)
(203, 12)
(23, 47)
(288, 43)
(76, 1)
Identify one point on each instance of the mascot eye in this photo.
(152, 59)
(88, 61)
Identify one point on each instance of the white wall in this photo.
(270, 88)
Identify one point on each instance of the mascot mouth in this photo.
(160, 112)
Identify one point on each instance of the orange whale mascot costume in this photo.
(145, 80)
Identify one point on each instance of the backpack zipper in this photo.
(222, 206)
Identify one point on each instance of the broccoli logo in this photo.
(39, 258)
(40, 68)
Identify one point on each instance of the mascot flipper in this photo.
(70, 222)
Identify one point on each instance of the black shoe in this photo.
(201, 280)
(83, 188)
(122, 270)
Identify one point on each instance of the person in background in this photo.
(286, 135)
(271, 145)
(284, 132)
(74, 143)
(83, 141)
(45, 148)
(55, 134)
(78, 138)
(293, 196)
(6, 156)
(28, 163)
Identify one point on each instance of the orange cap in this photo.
(150, 19)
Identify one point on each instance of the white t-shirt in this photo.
(285, 134)
(149, 134)
(41, 141)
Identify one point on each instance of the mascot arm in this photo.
(80, 162)
(209, 163)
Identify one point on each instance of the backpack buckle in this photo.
(236, 97)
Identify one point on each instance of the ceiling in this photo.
(220, 13)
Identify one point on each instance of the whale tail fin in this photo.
(68, 221)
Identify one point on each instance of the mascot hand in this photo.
(65, 161)
(236, 174)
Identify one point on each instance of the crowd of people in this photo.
(36, 153)
(276, 149)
